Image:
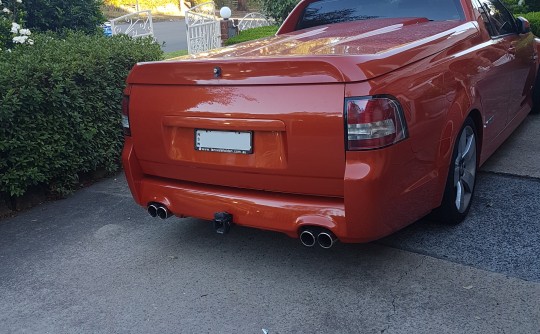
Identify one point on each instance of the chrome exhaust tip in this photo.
(152, 210)
(326, 239)
(163, 212)
(307, 238)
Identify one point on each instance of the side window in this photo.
(498, 19)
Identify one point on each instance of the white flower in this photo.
(5, 10)
(19, 1)
(20, 39)
(15, 27)
(30, 41)
(25, 32)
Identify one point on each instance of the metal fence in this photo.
(137, 24)
(253, 20)
(203, 28)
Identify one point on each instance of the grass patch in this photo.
(251, 34)
(174, 54)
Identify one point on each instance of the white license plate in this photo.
(239, 142)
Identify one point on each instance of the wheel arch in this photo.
(454, 123)
(476, 116)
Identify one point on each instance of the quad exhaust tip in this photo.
(308, 238)
(163, 212)
(159, 210)
(326, 239)
(311, 236)
(152, 210)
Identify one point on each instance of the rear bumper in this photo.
(278, 212)
(369, 210)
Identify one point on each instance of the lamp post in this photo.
(225, 13)
(228, 29)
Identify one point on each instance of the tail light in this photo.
(374, 122)
(125, 116)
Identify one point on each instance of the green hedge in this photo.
(58, 15)
(534, 19)
(278, 9)
(60, 106)
(516, 6)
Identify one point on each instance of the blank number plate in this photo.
(239, 142)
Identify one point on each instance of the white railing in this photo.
(137, 24)
(253, 20)
(203, 28)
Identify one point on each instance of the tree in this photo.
(242, 5)
(517, 6)
(278, 9)
(534, 5)
(57, 15)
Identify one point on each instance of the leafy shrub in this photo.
(533, 5)
(517, 6)
(534, 19)
(278, 9)
(251, 34)
(60, 107)
(5, 32)
(11, 21)
(58, 15)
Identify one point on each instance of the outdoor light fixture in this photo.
(225, 13)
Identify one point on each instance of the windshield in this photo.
(325, 12)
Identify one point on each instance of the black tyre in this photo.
(461, 180)
(536, 96)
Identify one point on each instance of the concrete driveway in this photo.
(97, 263)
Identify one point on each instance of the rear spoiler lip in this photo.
(242, 71)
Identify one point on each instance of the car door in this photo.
(518, 62)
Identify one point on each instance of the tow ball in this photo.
(222, 222)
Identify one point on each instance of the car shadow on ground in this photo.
(500, 234)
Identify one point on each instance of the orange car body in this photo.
(289, 92)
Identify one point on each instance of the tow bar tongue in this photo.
(222, 222)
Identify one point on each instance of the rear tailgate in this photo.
(296, 133)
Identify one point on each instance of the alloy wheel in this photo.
(465, 169)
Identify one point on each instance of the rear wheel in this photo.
(536, 96)
(461, 180)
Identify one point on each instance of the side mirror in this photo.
(524, 27)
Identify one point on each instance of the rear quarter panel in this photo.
(436, 100)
